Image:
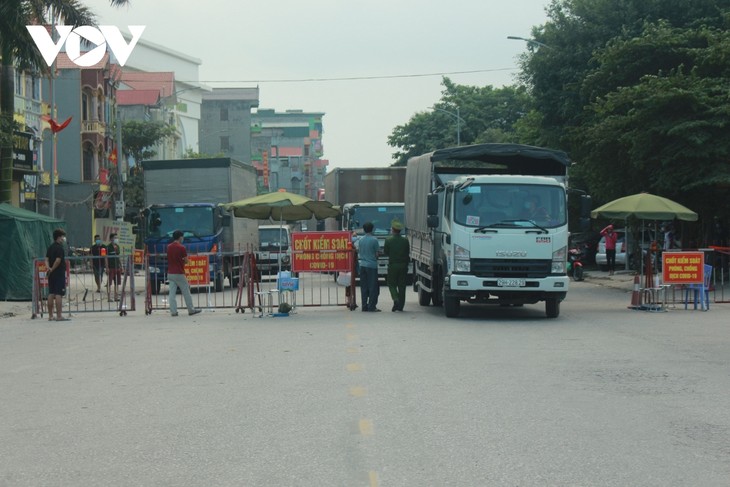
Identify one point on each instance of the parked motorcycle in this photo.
(575, 263)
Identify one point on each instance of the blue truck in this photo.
(185, 194)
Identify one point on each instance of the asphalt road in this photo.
(501, 396)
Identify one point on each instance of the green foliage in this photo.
(138, 138)
(486, 114)
(191, 154)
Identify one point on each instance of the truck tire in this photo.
(552, 307)
(424, 297)
(452, 306)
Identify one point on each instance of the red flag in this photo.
(56, 128)
(113, 157)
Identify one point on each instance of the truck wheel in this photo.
(451, 306)
(424, 297)
(552, 307)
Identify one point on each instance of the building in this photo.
(225, 127)
(287, 151)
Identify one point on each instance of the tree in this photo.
(487, 114)
(138, 138)
(18, 49)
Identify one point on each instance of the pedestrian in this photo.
(177, 257)
(398, 251)
(56, 275)
(114, 272)
(98, 252)
(610, 237)
(368, 250)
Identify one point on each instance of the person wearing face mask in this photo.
(115, 269)
(98, 252)
(56, 262)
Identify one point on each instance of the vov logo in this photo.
(105, 34)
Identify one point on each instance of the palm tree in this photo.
(18, 48)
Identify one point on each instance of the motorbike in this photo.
(575, 264)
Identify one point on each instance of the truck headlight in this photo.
(559, 261)
(462, 259)
(285, 259)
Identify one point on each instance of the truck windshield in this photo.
(274, 238)
(194, 221)
(484, 205)
(380, 216)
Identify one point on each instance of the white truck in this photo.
(381, 215)
(474, 231)
(274, 252)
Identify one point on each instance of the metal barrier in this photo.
(82, 293)
(242, 286)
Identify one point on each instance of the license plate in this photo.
(511, 282)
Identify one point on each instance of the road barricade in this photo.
(115, 291)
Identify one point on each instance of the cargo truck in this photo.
(488, 224)
(184, 194)
(374, 194)
(274, 253)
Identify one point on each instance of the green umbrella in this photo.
(281, 206)
(645, 206)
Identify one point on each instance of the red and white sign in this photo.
(321, 251)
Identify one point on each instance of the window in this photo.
(225, 143)
(224, 114)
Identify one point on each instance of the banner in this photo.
(321, 251)
(683, 267)
(196, 270)
(107, 226)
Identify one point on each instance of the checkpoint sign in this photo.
(321, 251)
(196, 270)
(683, 267)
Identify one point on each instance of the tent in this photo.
(24, 236)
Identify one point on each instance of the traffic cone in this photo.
(636, 294)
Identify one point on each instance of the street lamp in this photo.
(458, 121)
(529, 41)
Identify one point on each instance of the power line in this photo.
(356, 78)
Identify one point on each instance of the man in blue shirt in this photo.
(368, 250)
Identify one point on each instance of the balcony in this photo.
(93, 127)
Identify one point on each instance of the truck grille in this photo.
(511, 268)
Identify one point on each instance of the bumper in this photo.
(534, 290)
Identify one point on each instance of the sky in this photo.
(375, 63)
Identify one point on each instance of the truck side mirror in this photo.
(432, 221)
(432, 205)
(226, 220)
(584, 224)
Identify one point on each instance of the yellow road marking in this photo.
(351, 337)
(366, 427)
(354, 367)
(358, 391)
(353, 350)
(373, 479)
(350, 325)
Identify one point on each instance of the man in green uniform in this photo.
(398, 251)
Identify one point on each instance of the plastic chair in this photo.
(700, 292)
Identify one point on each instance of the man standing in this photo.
(368, 249)
(611, 238)
(115, 266)
(398, 251)
(177, 257)
(56, 263)
(98, 252)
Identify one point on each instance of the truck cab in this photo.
(381, 215)
(202, 225)
(274, 252)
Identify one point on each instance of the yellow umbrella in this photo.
(281, 206)
(646, 207)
